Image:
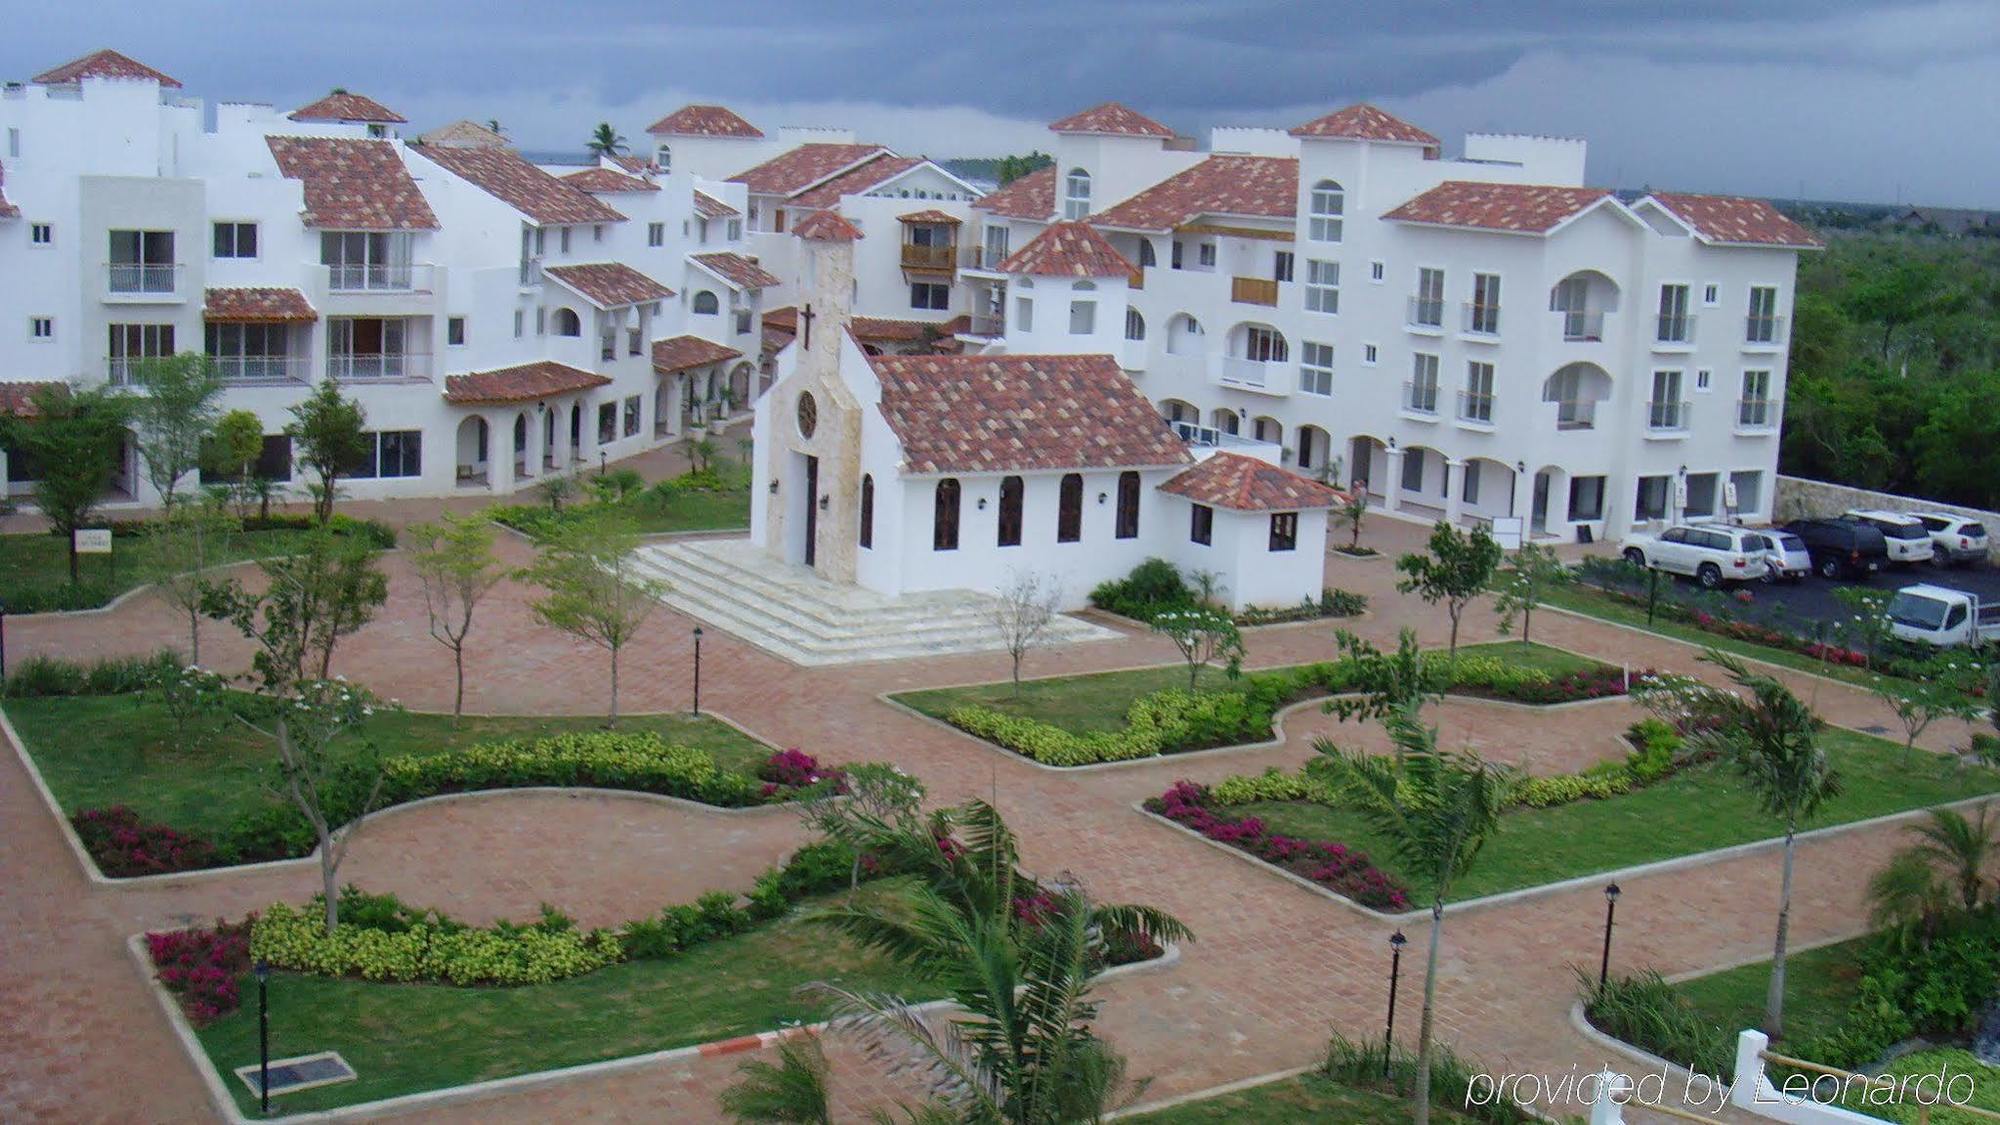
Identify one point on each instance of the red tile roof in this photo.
(703, 121)
(931, 216)
(18, 399)
(709, 207)
(1113, 119)
(874, 329)
(101, 64)
(825, 226)
(1260, 186)
(1734, 221)
(353, 184)
(1032, 196)
(464, 134)
(7, 210)
(1525, 208)
(1069, 249)
(1364, 122)
(737, 270)
(502, 174)
(960, 414)
(342, 106)
(1246, 484)
(632, 164)
(679, 353)
(609, 285)
(603, 181)
(856, 181)
(803, 167)
(525, 383)
(257, 306)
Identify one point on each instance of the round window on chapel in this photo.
(808, 414)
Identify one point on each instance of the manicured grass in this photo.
(1820, 985)
(405, 1038)
(118, 749)
(33, 567)
(1591, 602)
(1308, 1097)
(724, 510)
(1697, 810)
(1098, 702)
(1985, 1088)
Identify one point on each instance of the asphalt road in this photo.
(1795, 606)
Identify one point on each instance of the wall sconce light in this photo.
(1102, 496)
(825, 502)
(982, 503)
(1520, 467)
(1684, 470)
(774, 486)
(1392, 443)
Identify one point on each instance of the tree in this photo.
(605, 141)
(1946, 869)
(1458, 569)
(795, 1089)
(1378, 685)
(233, 446)
(1773, 740)
(327, 590)
(304, 724)
(1022, 612)
(595, 592)
(1348, 513)
(1203, 635)
(188, 540)
(1537, 573)
(329, 434)
(73, 436)
(1010, 168)
(1937, 690)
(454, 561)
(175, 416)
(1436, 808)
(865, 793)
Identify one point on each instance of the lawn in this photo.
(1307, 1097)
(117, 749)
(405, 1038)
(1697, 810)
(34, 568)
(1098, 702)
(1820, 985)
(1590, 602)
(724, 510)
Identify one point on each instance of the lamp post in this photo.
(3, 640)
(1396, 943)
(264, 1035)
(603, 462)
(697, 669)
(1610, 908)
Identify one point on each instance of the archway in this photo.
(1315, 449)
(1576, 389)
(471, 445)
(1488, 489)
(1177, 410)
(567, 323)
(1548, 501)
(1184, 335)
(1580, 302)
(739, 387)
(1424, 481)
(1367, 464)
(1226, 420)
(663, 408)
(1266, 428)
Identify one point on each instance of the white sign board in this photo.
(1507, 531)
(93, 540)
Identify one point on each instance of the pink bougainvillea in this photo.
(793, 769)
(1335, 866)
(201, 967)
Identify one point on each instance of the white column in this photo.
(1392, 485)
(1454, 486)
(500, 452)
(534, 442)
(1519, 499)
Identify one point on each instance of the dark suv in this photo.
(1842, 548)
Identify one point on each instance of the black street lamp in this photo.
(3, 640)
(1396, 943)
(697, 669)
(264, 1035)
(1610, 908)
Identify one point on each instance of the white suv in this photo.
(1956, 539)
(1711, 553)
(1909, 540)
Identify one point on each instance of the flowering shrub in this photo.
(505, 954)
(793, 769)
(1332, 865)
(201, 966)
(123, 845)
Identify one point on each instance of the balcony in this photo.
(989, 326)
(1575, 413)
(1253, 291)
(1475, 410)
(985, 258)
(531, 272)
(1480, 321)
(383, 366)
(1763, 333)
(1210, 437)
(1424, 315)
(1268, 377)
(1756, 415)
(262, 368)
(1666, 418)
(933, 259)
(407, 277)
(1673, 332)
(1420, 399)
(141, 282)
(1581, 326)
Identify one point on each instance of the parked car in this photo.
(1711, 554)
(1842, 548)
(1957, 540)
(1908, 540)
(1787, 559)
(1942, 616)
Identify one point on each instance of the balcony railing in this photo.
(1475, 407)
(142, 279)
(1674, 328)
(1254, 373)
(1582, 325)
(123, 371)
(1420, 398)
(1763, 329)
(1756, 413)
(1253, 291)
(406, 277)
(1481, 320)
(1668, 416)
(1212, 437)
(940, 258)
(384, 365)
(1425, 313)
(1576, 413)
(262, 368)
(984, 257)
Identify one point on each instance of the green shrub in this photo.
(502, 955)
(1645, 1010)
(1330, 603)
(1362, 1065)
(111, 675)
(1153, 586)
(1563, 789)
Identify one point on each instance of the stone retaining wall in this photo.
(1797, 497)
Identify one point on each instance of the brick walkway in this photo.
(1275, 967)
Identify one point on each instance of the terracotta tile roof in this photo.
(1113, 119)
(1246, 484)
(1032, 196)
(703, 121)
(502, 174)
(1526, 208)
(825, 226)
(17, 400)
(1069, 249)
(101, 64)
(1364, 122)
(609, 285)
(856, 181)
(353, 184)
(931, 216)
(7, 210)
(679, 353)
(464, 134)
(709, 207)
(803, 167)
(959, 413)
(632, 164)
(1735, 221)
(259, 306)
(524, 383)
(605, 181)
(341, 106)
(1260, 186)
(736, 269)
(874, 329)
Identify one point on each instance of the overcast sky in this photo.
(1840, 99)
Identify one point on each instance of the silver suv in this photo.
(1710, 553)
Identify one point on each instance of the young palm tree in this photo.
(793, 1090)
(1945, 869)
(1437, 808)
(605, 141)
(1962, 848)
(1907, 899)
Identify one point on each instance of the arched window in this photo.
(1069, 510)
(664, 157)
(1147, 258)
(1226, 421)
(1128, 505)
(1183, 335)
(1328, 203)
(706, 304)
(944, 516)
(1135, 325)
(868, 510)
(1076, 194)
(1010, 511)
(1265, 344)
(568, 323)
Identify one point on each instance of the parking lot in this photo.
(1807, 606)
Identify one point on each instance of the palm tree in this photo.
(605, 141)
(1907, 899)
(1436, 808)
(1915, 890)
(793, 1091)
(1773, 738)
(1963, 848)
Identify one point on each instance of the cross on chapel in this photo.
(806, 316)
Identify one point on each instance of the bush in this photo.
(201, 967)
(1332, 865)
(60, 597)
(1364, 1064)
(122, 845)
(1645, 1010)
(1331, 603)
(794, 769)
(504, 954)
(111, 675)
(1153, 586)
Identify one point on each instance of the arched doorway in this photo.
(1225, 419)
(473, 471)
(663, 408)
(1367, 461)
(739, 388)
(1576, 389)
(521, 446)
(1315, 450)
(1548, 503)
(1424, 481)
(1487, 491)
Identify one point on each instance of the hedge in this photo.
(505, 955)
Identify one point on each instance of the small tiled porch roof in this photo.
(257, 306)
(681, 353)
(1246, 484)
(735, 269)
(523, 383)
(609, 285)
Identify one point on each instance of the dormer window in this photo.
(664, 157)
(1076, 194)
